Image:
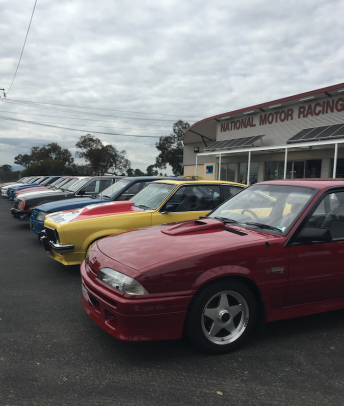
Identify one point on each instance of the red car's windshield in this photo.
(274, 206)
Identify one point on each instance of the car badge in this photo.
(276, 270)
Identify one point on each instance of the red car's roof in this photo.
(311, 182)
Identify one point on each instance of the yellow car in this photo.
(190, 177)
(69, 234)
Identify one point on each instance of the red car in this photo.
(273, 251)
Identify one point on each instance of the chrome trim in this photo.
(57, 236)
(64, 249)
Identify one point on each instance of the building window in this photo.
(271, 170)
(228, 172)
(243, 172)
(295, 169)
(339, 168)
(313, 168)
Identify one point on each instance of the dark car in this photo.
(272, 252)
(123, 189)
(85, 186)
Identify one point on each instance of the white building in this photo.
(301, 136)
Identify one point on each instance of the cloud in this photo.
(183, 60)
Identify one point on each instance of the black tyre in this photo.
(221, 316)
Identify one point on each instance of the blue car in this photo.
(40, 181)
(124, 189)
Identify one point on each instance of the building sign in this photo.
(209, 169)
(280, 116)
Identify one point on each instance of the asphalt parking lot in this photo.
(51, 353)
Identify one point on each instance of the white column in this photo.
(248, 168)
(335, 160)
(196, 167)
(219, 174)
(285, 164)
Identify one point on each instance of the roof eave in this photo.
(257, 106)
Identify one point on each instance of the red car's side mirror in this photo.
(313, 235)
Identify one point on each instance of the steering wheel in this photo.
(253, 214)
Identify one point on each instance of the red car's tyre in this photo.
(221, 316)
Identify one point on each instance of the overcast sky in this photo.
(154, 62)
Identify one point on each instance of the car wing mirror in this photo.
(164, 212)
(313, 234)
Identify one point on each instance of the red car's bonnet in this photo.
(142, 248)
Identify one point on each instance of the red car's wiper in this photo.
(224, 219)
(264, 226)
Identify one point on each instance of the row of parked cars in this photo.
(163, 257)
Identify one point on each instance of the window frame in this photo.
(291, 241)
(224, 185)
(131, 184)
(160, 209)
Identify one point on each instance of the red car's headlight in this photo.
(121, 282)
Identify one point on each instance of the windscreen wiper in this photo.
(224, 219)
(142, 206)
(263, 226)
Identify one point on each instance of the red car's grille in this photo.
(100, 295)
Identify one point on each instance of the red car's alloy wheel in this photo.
(221, 316)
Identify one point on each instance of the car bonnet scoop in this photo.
(194, 226)
(108, 207)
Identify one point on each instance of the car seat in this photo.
(290, 217)
(206, 203)
(334, 221)
(188, 203)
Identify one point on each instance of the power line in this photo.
(38, 129)
(100, 126)
(27, 33)
(86, 119)
(86, 112)
(97, 108)
(74, 129)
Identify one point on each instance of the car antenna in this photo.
(101, 193)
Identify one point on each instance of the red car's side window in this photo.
(330, 214)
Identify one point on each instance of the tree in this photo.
(7, 175)
(23, 160)
(81, 170)
(138, 172)
(53, 151)
(101, 157)
(47, 167)
(6, 168)
(150, 171)
(171, 148)
(49, 151)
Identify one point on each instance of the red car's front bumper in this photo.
(134, 319)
